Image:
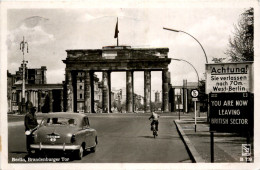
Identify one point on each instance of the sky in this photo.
(49, 32)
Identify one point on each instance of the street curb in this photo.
(196, 158)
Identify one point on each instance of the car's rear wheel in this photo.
(79, 153)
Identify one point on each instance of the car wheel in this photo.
(79, 153)
(93, 149)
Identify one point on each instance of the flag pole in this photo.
(118, 31)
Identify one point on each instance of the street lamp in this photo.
(192, 37)
(189, 64)
(195, 71)
(169, 29)
(22, 47)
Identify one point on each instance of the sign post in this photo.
(195, 116)
(212, 146)
(194, 95)
(230, 87)
(179, 108)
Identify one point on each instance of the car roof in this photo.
(77, 116)
(65, 115)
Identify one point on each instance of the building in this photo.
(97, 87)
(32, 75)
(10, 82)
(82, 91)
(180, 97)
(157, 97)
(45, 97)
(114, 58)
(139, 102)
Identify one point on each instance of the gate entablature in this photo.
(118, 59)
(115, 58)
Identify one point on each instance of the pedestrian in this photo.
(30, 123)
(28, 105)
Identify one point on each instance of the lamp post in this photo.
(174, 30)
(195, 71)
(22, 47)
(192, 37)
(189, 64)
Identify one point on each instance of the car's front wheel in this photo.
(79, 153)
(93, 149)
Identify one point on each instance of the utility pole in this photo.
(22, 47)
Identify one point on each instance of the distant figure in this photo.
(30, 123)
(28, 106)
(155, 120)
(46, 106)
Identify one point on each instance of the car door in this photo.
(90, 138)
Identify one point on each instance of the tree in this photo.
(241, 46)
(218, 60)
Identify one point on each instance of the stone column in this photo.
(32, 97)
(105, 92)
(173, 100)
(109, 92)
(69, 106)
(36, 100)
(51, 100)
(61, 101)
(165, 90)
(92, 92)
(129, 91)
(28, 95)
(87, 92)
(20, 96)
(147, 91)
(39, 101)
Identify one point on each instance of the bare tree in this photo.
(241, 45)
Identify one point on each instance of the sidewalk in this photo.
(227, 146)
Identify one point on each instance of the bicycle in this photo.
(153, 128)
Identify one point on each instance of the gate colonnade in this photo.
(115, 58)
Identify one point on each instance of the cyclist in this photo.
(155, 120)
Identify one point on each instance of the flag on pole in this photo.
(116, 30)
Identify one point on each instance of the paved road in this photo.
(122, 139)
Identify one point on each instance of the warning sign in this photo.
(230, 112)
(229, 77)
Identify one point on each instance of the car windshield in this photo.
(58, 121)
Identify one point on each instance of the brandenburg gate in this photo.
(115, 58)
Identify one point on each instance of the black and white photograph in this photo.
(129, 85)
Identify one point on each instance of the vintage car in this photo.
(64, 132)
